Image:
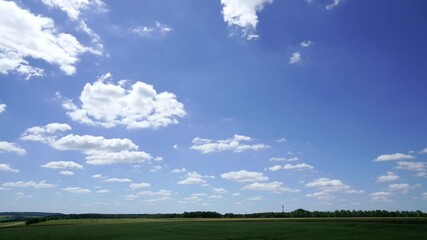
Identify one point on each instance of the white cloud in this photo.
(41, 184)
(6, 167)
(236, 144)
(193, 178)
(215, 196)
(98, 176)
(138, 107)
(196, 197)
(157, 31)
(158, 159)
(73, 8)
(34, 36)
(299, 166)
(401, 187)
(179, 170)
(77, 190)
(45, 134)
(421, 174)
(62, 165)
(139, 185)
(275, 168)
(423, 151)
(118, 180)
(335, 3)
(103, 158)
(100, 150)
(243, 176)
(175, 146)
(2, 106)
(11, 147)
(328, 185)
(255, 198)
(66, 173)
(424, 196)
(275, 187)
(391, 176)
(321, 195)
(393, 157)
(220, 190)
(156, 168)
(281, 140)
(284, 159)
(242, 14)
(295, 58)
(381, 196)
(103, 191)
(161, 193)
(411, 166)
(306, 44)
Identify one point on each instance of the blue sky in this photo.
(228, 106)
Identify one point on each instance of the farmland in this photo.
(331, 228)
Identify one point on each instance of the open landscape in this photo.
(361, 228)
(213, 119)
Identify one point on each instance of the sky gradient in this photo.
(229, 106)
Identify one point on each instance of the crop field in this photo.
(363, 228)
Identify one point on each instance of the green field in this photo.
(363, 228)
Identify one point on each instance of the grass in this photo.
(372, 228)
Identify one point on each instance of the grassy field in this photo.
(129, 229)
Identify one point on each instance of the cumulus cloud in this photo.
(139, 185)
(62, 165)
(242, 15)
(12, 148)
(423, 151)
(109, 105)
(411, 166)
(220, 190)
(37, 38)
(66, 173)
(236, 144)
(2, 106)
(193, 178)
(157, 31)
(279, 159)
(77, 190)
(156, 168)
(335, 3)
(7, 168)
(275, 168)
(321, 196)
(299, 166)
(41, 184)
(118, 180)
(392, 157)
(103, 191)
(391, 176)
(45, 134)
(330, 185)
(306, 44)
(179, 170)
(244, 176)
(381, 196)
(401, 187)
(73, 8)
(98, 176)
(98, 150)
(295, 58)
(274, 187)
(160, 193)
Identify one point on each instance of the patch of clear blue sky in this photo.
(359, 92)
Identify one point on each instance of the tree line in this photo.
(299, 213)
